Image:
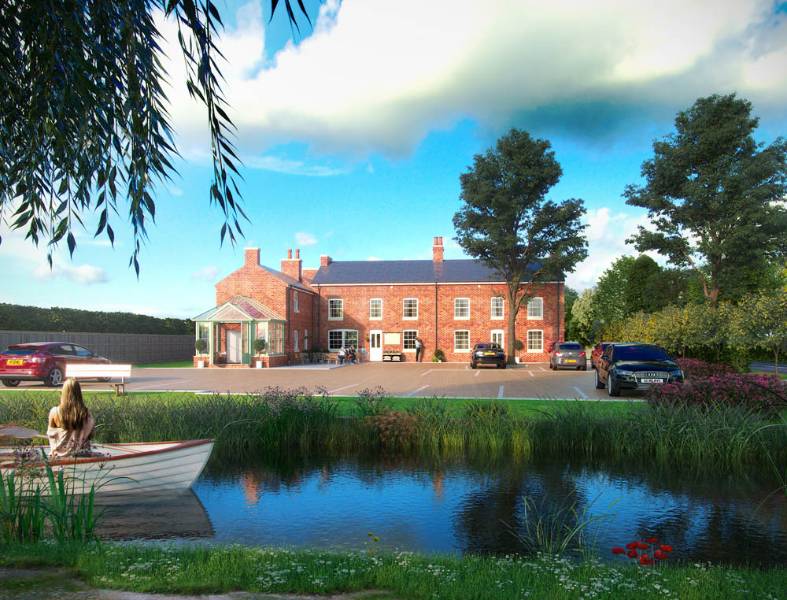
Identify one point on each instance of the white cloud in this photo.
(377, 75)
(607, 232)
(373, 258)
(82, 274)
(303, 238)
(208, 273)
(291, 167)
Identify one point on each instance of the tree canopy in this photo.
(507, 222)
(715, 197)
(84, 120)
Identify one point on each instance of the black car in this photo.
(635, 367)
(488, 354)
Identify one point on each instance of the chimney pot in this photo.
(251, 257)
(298, 253)
(289, 253)
(325, 260)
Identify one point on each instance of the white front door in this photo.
(375, 345)
(234, 352)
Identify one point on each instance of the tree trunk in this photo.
(513, 309)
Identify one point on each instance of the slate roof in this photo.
(239, 308)
(287, 279)
(406, 271)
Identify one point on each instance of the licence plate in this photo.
(651, 380)
(570, 360)
(14, 362)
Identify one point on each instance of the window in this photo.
(342, 338)
(497, 307)
(375, 309)
(497, 337)
(82, 352)
(408, 339)
(535, 308)
(462, 341)
(335, 309)
(535, 340)
(410, 306)
(462, 308)
(203, 332)
(295, 301)
(295, 341)
(275, 337)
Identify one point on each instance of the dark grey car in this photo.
(568, 355)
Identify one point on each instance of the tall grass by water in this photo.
(718, 437)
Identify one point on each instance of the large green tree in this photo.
(83, 113)
(715, 197)
(610, 296)
(507, 221)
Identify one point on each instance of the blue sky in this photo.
(355, 133)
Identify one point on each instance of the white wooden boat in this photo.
(138, 468)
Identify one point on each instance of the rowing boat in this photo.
(134, 468)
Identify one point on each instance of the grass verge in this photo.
(173, 364)
(191, 570)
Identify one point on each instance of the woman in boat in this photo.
(70, 423)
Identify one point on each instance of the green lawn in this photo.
(174, 364)
(193, 570)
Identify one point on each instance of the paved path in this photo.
(449, 380)
(59, 584)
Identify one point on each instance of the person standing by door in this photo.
(419, 349)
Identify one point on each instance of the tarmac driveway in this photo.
(451, 380)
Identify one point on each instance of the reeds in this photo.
(286, 421)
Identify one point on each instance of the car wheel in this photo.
(585, 368)
(612, 387)
(599, 383)
(55, 378)
(472, 365)
(10, 382)
(503, 365)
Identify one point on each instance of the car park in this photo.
(488, 354)
(595, 354)
(43, 361)
(635, 367)
(568, 354)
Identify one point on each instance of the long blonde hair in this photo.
(72, 412)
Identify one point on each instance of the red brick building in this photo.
(375, 306)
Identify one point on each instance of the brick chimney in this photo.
(292, 266)
(437, 249)
(251, 257)
(325, 260)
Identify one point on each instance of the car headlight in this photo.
(628, 375)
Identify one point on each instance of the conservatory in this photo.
(234, 332)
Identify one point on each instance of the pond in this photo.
(465, 506)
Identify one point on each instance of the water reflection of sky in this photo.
(462, 508)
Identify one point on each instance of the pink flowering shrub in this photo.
(766, 393)
(696, 368)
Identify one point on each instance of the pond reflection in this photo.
(473, 506)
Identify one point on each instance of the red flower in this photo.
(618, 550)
(632, 554)
(642, 545)
(659, 555)
(665, 548)
(645, 560)
(632, 545)
(652, 540)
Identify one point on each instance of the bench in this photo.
(87, 371)
(393, 357)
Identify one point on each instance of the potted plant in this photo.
(259, 347)
(201, 346)
(438, 356)
(518, 347)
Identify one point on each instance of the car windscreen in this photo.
(481, 346)
(570, 347)
(639, 353)
(19, 351)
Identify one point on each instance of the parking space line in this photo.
(531, 373)
(542, 369)
(344, 387)
(500, 391)
(415, 391)
(477, 373)
(426, 372)
(581, 393)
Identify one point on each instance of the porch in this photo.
(240, 333)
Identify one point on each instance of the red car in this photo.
(598, 350)
(44, 361)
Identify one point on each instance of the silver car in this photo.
(568, 355)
